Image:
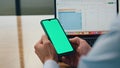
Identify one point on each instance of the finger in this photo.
(38, 43)
(52, 50)
(44, 37)
(78, 50)
(45, 40)
(65, 60)
(75, 40)
(38, 47)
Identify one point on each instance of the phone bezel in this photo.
(66, 53)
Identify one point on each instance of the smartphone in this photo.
(57, 36)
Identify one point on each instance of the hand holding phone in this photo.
(57, 36)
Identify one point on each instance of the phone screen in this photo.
(57, 36)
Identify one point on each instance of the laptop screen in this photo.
(86, 17)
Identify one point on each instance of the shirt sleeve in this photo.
(106, 51)
(50, 64)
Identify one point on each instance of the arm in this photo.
(106, 51)
(81, 48)
(47, 54)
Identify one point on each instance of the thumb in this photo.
(75, 41)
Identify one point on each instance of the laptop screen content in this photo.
(86, 17)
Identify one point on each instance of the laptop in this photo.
(87, 19)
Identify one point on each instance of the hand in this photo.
(44, 50)
(81, 48)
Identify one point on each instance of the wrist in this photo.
(51, 64)
(50, 58)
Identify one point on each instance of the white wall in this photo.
(9, 50)
(9, 55)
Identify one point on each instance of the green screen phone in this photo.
(57, 36)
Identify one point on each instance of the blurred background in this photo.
(28, 7)
(20, 30)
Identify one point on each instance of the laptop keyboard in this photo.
(90, 41)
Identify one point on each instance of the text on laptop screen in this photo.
(84, 17)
